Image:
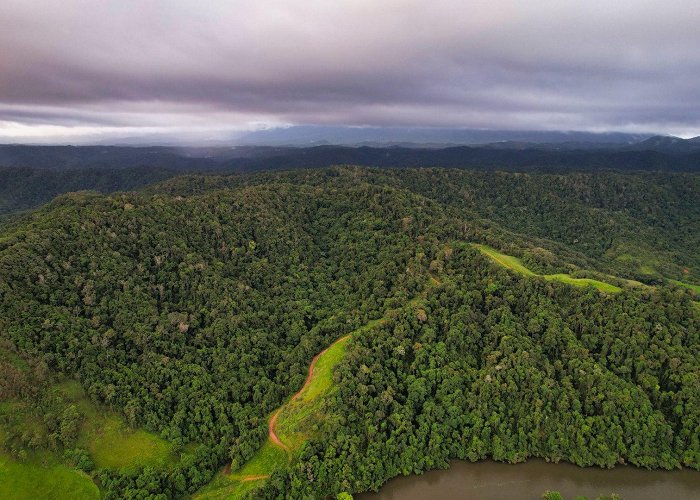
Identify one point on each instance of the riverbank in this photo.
(487, 480)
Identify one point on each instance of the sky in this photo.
(111, 70)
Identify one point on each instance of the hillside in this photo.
(640, 226)
(25, 188)
(33, 175)
(191, 310)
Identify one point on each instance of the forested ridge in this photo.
(498, 366)
(641, 225)
(25, 188)
(31, 175)
(195, 306)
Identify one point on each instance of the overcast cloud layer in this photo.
(201, 69)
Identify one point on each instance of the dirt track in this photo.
(309, 377)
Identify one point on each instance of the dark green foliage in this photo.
(615, 222)
(195, 306)
(197, 316)
(80, 459)
(24, 188)
(510, 368)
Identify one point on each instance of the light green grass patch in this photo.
(43, 477)
(231, 486)
(322, 377)
(112, 444)
(516, 265)
(600, 285)
(223, 487)
(265, 461)
(507, 261)
(298, 418)
(109, 441)
(695, 288)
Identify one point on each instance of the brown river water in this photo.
(492, 480)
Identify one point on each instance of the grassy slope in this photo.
(695, 288)
(267, 459)
(42, 476)
(104, 434)
(109, 441)
(294, 427)
(298, 418)
(508, 261)
(516, 265)
(264, 462)
(296, 421)
(224, 487)
(600, 285)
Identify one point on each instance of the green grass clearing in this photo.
(694, 288)
(230, 486)
(600, 285)
(322, 378)
(298, 419)
(41, 476)
(516, 265)
(267, 459)
(112, 444)
(109, 441)
(508, 261)
(223, 487)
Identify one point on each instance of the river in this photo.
(492, 480)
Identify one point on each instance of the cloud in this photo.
(76, 64)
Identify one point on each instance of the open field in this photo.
(109, 441)
(42, 473)
(42, 476)
(516, 265)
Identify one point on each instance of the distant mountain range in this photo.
(32, 175)
(668, 144)
(648, 153)
(308, 135)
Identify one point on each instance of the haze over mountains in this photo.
(313, 146)
(32, 175)
(343, 135)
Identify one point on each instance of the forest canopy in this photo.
(193, 308)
